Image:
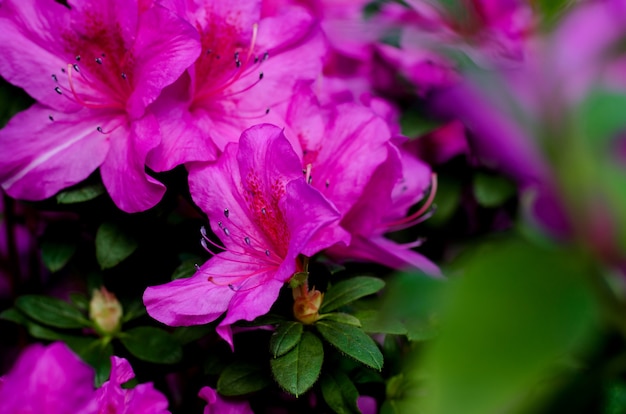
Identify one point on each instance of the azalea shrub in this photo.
(312, 206)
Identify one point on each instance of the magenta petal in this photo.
(381, 250)
(308, 235)
(48, 379)
(248, 303)
(121, 371)
(30, 46)
(355, 147)
(185, 302)
(39, 157)
(123, 171)
(183, 136)
(217, 405)
(164, 48)
(142, 398)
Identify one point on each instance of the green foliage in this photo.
(298, 370)
(352, 341)
(372, 322)
(492, 191)
(242, 378)
(187, 268)
(80, 301)
(51, 311)
(80, 194)
(341, 317)
(56, 255)
(515, 311)
(285, 337)
(96, 353)
(413, 299)
(152, 345)
(339, 392)
(616, 399)
(188, 334)
(113, 244)
(347, 291)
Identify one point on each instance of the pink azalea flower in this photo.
(265, 214)
(349, 153)
(218, 405)
(143, 398)
(247, 67)
(94, 69)
(48, 379)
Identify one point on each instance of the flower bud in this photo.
(105, 311)
(306, 306)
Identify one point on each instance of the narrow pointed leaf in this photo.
(286, 336)
(56, 254)
(242, 378)
(348, 291)
(372, 322)
(339, 392)
(152, 345)
(352, 341)
(81, 194)
(298, 370)
(113, 245)
(51, 311)
(342, 317)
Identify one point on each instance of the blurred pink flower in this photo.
(48, 379)
(143, 398)
(218, 405)
(53, 380)
(94, 69)
(265, 214)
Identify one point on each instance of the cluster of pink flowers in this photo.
(284, 116)
(237, 94)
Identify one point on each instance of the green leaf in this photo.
(372, 322)
(339, 392)
(186, 269)
(113, 245)
(96, 353)
(56, 254)
(298, 370)
(348, 291)
(133, 310)
(51, 311)
(13, 315)
(152, 345)
(79, 300)
(352, 341)
(415, 300)
(242, 378)
(616, 399)
(80, 194)
(513, 313)
(40, 332)
(188, 334)
(285, 337)
(341, 317)
(447, 200)
(263, 320)
(492, 191)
